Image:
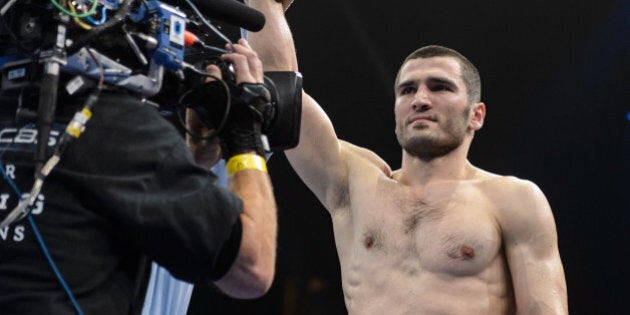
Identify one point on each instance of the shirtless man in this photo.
(439, 235)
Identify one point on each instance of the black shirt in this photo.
(127, 189)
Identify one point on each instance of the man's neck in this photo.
(452, 166)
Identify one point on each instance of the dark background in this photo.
(556, 82)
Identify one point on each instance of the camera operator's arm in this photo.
(252, 272)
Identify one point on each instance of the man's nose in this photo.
(421, 101)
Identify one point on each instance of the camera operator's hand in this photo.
(247, 66)
(251, 104)
(249, 108)
(207, 152)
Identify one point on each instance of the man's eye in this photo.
(440, 87)
(407, 90)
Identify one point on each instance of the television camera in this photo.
(134, 45)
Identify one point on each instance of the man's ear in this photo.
(477, 116)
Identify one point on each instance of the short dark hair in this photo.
(470, 74)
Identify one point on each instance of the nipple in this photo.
(463, 252)
(373, 240)
(466, 252)
(368, 242)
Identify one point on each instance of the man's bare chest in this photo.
(449, 230)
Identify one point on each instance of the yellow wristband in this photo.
(246, 162)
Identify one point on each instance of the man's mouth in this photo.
(422, 118)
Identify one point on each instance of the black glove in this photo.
(250, 114)
(249, 117)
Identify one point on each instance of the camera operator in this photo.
(129, 192)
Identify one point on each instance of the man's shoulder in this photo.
(361, 158)
(513, 198)
(111, 101)
(503, 183)
(126, 112)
